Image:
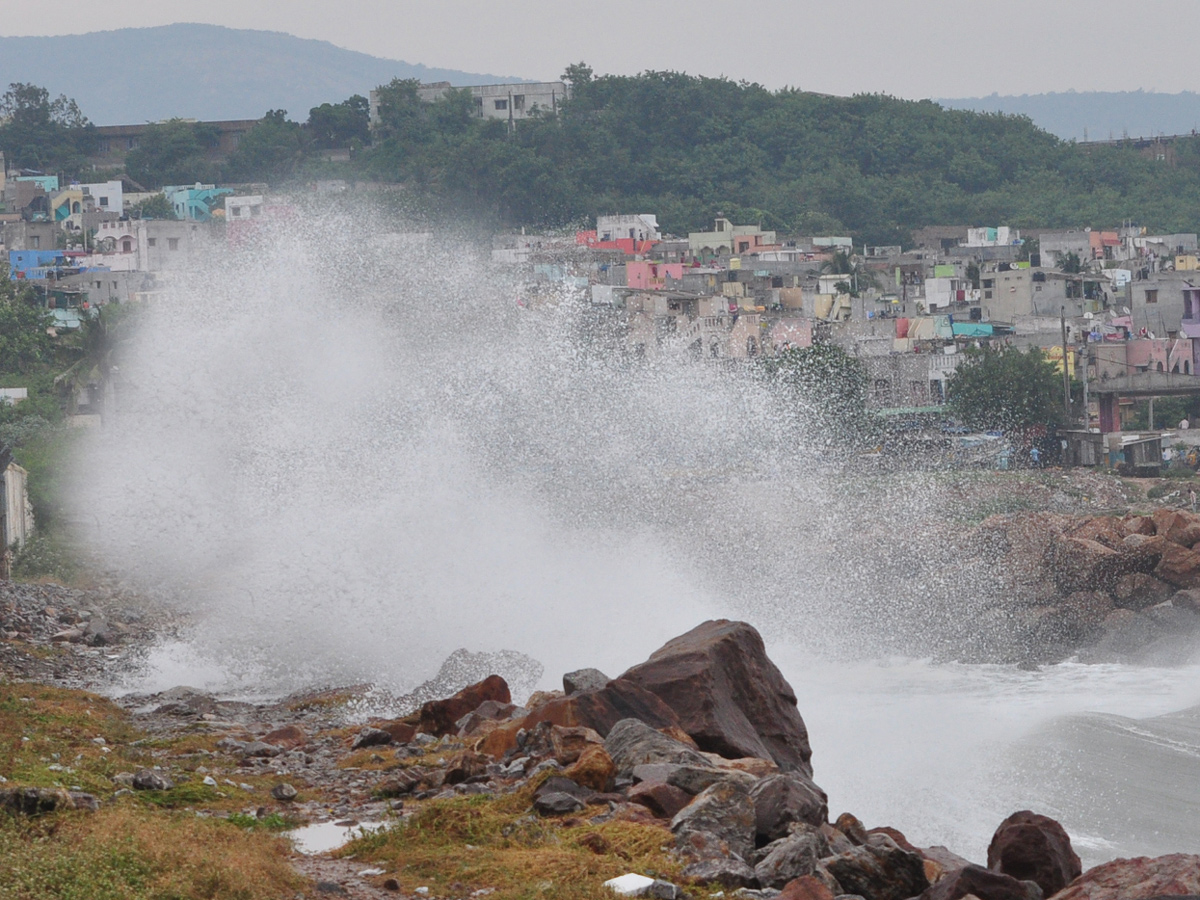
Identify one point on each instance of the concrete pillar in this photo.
(1110, 413)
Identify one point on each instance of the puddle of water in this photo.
(322, 837)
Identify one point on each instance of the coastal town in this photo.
(290, 410)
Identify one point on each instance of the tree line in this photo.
(682, 146)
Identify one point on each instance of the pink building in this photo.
(651, 276)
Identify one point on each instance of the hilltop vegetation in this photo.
(687, 147)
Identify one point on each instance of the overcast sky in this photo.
(910, 48)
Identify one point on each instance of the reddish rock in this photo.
(1078, 564)
(978, 882)
(289, 737)
(464, 766)
(1135, 524)
(598, 710)
(1177, 526)
(1137, 879)
(728, 695)
(1138, 590)
(593, 769)
(438, 717)
(806, 887)
(1032, 847)
(852, 828)
(664, 800)
(1178, 566)
(944, 857)
(402, 732)
(1102, 529)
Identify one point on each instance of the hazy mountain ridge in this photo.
(1096, 115)
(197, 71)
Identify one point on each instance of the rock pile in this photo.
(1103, 587)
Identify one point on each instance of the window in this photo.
(987, 295)
(172, 243)
(518, 101)
(256, 210)
(236, 211)
(1152, 296)
(104, 202)
(989, 282)
(152, 242)
(501, 104)
(35, 242)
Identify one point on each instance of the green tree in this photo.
(25, 343)
(173, 152)
(272, 150)
(824, 387)
(44, 134)
(339, 124)
(156, 206)
(1070, 263)
(1005, 389)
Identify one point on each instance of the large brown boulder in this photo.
(983, 884)
(1141, 878)
(1031, 847)
(729, 697)
(439, 717)
(1179, 527)
(1137, 590)
(1078, 564)
(1178, 566)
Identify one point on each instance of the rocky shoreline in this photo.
(701, 747)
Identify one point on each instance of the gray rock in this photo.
(32, 801)
(285, 793)
(790, 857)
(724, 810)
(124, 779)
(729, 873)
(780, 800)
(880, 870)
(695, 779)
(371, 737)
(557, 803)
(260, 750)
(149, 780)
(632, 742)
(663, 890)
(584, 680)
(655, 773)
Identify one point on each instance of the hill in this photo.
(208, 72)
(1096, 115)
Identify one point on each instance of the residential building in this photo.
(510, 103)
(635, 228)
(23, 235)
(164, 244)
(195, 202)
(728, 239)
(108, 196)
(113, 142)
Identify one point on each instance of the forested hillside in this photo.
(688, 147)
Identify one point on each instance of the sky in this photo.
(908, 48)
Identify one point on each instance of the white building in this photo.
(241, 208)
(108, 196)
(507, 102)
(639, 228)
(1002, 236)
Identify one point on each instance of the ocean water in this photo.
(346, 458)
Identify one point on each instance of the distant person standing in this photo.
(1192, 498)
(1035, 457)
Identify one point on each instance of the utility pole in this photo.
(1085, 358)
(1066, 376)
